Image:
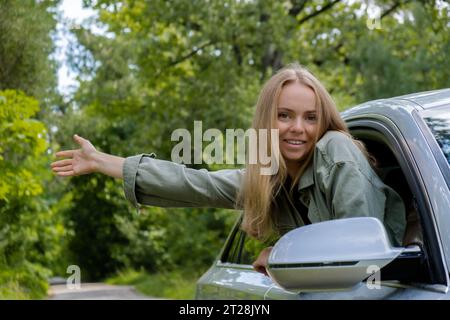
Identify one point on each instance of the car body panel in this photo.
(230, 281)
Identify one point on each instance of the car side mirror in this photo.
(330, 255)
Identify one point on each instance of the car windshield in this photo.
(438, 120)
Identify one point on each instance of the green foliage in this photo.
(30, 230)
(164, 239)
(403, 57)
(29, 281)
(20, 137)
(96, 238)
(25, 46)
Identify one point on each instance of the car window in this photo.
(234, 253)
(438, 121)
(243, 249)
(251, 250)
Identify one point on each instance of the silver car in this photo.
(352, 258)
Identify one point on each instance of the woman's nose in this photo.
(297, 125)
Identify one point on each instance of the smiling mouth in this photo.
(295, 142)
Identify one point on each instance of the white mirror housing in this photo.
(330, 255)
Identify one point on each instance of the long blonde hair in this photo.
(258, 192)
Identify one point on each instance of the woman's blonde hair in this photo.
(257, 193)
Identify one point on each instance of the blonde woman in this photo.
(323, 173)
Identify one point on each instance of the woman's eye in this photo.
(311, 117)
(283, 115)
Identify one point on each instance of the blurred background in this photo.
(125, 74)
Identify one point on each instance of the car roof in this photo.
(419, 101)
(428, 99)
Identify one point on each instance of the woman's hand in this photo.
(87, 160)
(81, 161)
(260, 263)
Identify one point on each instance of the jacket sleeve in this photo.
(161, 183)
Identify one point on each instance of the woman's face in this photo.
(297, 122)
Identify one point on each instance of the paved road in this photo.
(95, 291)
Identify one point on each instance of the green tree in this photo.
(30, 229)
(32, 232)
(26, 45)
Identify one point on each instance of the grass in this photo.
(170, 285)
(12, 290)
(26, 282)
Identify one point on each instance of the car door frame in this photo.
(394, 139)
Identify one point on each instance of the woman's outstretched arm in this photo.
(87, 160)
(153, 182)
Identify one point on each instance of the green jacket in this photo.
(339, 183)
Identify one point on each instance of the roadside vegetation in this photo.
(171, 285)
